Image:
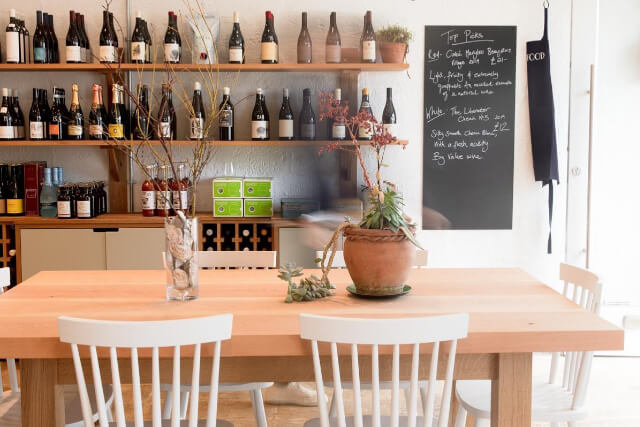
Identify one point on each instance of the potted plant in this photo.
(379, 251)
(394, 43)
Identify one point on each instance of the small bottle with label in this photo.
(83, 201)
(198, 117)
(149, 191)
(65, 201)
(285, 119)
(236, 42)
(37, 119)
(389, 116)
(179, 194)
(337, 127)
(163, 193)
(48, 196)
(172, 41)
(225, 118)
(365, 130)
(368, 40)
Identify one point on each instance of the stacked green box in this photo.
(237, 197)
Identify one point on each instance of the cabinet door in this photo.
(135, 249)
(64, 249)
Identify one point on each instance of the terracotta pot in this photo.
(393, 53)
(379, 261)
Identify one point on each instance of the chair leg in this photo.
(407, 397)
(184, 404)
(477, 422)
(332, 407)
(423, 396)
(461, 417)
(166, 410)
(258, 408)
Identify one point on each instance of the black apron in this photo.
(542, 116)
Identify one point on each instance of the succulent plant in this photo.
(309, 289)
(395, 34)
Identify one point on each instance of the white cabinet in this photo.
(85, 249)
(293, 247)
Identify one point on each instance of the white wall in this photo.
(524, 246)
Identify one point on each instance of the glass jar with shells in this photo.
(181, 257)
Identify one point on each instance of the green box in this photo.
(257, 188)
(227, 208)
(227, 188)
(258, 207)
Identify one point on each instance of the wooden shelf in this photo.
(377, 67)
(271, 143)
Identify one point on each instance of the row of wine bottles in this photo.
(78, 48)
(56, 122)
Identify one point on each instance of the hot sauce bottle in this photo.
(188, 186)
(163, 193)
(179, 191)
(149, 191)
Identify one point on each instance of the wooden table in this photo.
(511, 316)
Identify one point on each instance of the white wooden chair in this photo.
(384, 332)
(227, 260)
(338, 262)
(338, 259)
(196, 333)
(10, 411)
(552, 402)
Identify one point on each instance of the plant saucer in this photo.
(353, 291)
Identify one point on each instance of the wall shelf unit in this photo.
(271, 143)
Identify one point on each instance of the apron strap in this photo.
(546, 20)
(550, 182)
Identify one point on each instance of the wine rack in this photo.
(237, 236)
(7, 245)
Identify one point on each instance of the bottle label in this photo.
(64, 209)
(259, 129)
(163, 202)
(84, 208)
(172, 52)
(15, 206)
(95, 130)
(369, 50)
(390, 128)
(6, 132)
(180, 200)
(39, 54)
(116, 131)
(338, 131)
(333, 54)
(138, 51)
(235, 54)
(75, 130)
(225, 119)
(74, 54)
(3, 206)
(13, 46)
(197, 128)
(165, 129)
(83, 54)
(308, 130)
(36, 130)
(269, 51)
(108, 54)
(54, 129)
(148, 200)
(365, 131)
(285, 128)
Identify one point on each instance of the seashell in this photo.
(180, 279)
(174, 235)
(180, 251)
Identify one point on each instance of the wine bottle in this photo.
(18, 115)
(389, 116)
(166, 115)
(148, 43)
(15, 194)
(368, 40)
(172, 41)
(307, 121)
(365, 131)
(198, 117)
(333, 48)
(83, 43)
(46, 111)
(6, 117)
(260, 119)
(304, 43)
(108, 45)
(4, 181)
(73, 48)
(138, 41)
(141, 125)
(97, 119)
(24, 42)
(14, 118)
(236, 42)
(37, 120)
(12, 39)
(55, 50)
(88, 57)
(225, 119)
(39, 41)
(269, 44)
(76, 118)
(285, 119)
(57, 122)
(116, 119)
(337, 127)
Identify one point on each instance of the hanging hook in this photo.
(545, 4)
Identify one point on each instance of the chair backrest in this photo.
(385, 332)
(583, 288)
(338, 259)
(153, 334)
(5, 282)
(234, 259)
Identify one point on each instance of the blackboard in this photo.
(469, 102)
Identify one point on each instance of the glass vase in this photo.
(181, 257)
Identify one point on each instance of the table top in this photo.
(509, 310)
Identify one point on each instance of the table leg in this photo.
(38, 379)
(511, 391)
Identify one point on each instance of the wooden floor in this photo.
(613, 398)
